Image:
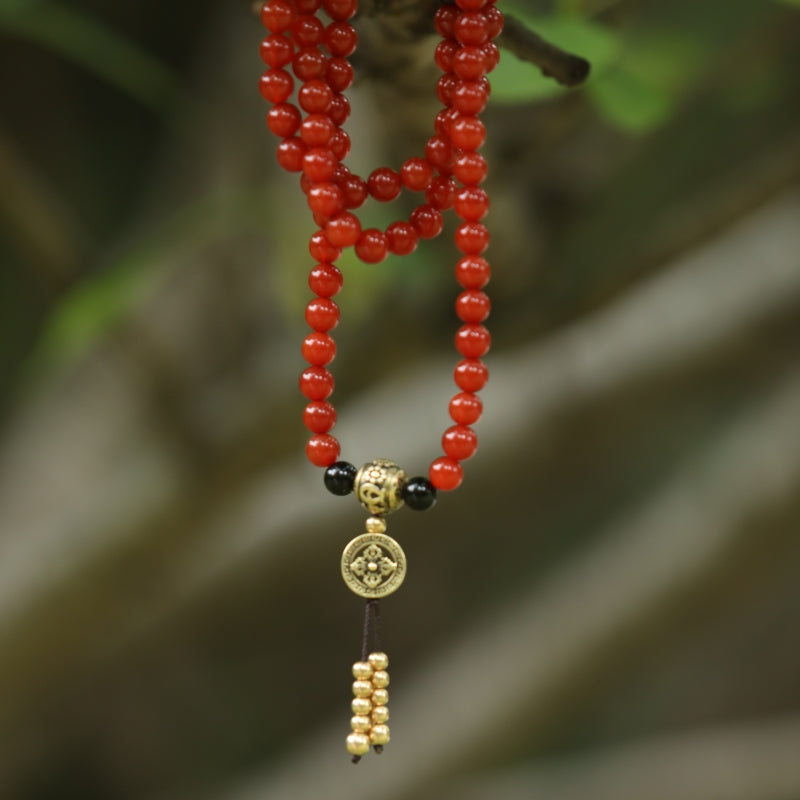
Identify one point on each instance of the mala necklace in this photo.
(315, 144)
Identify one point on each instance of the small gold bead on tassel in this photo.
(370, 713)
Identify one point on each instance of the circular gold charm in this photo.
(373, 565)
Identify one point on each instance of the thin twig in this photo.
(566, 68)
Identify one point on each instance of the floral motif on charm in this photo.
(373, 565)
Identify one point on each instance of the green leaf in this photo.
(630, 102)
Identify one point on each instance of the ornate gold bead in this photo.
(380, 715)
(379, 485)
(376, 525)
(380, 697)
(360, 724)
(361, 706)
(379, 734)
(380, 679)
(362, 688)
(358, 744)
(378, 660)
(362, 670)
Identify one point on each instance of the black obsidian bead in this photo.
(419, 494)
(340, 478)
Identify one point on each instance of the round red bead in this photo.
(427, 221)
(470, 97)
(309, 64)
(339, 74)
(322, 250)
(319, 416)
(467, 133)
(384, 184)
(372, 246)
(277, 15)
(283, 119)
(465, 408)
(291, 154)
(441, 193)
(320, 164)
(444, 21)
(492, 54)
(307, 30)
(440, 153)
(460, 442)
(416, 174)
(325, 199)
(473, 340)
(471, 5)
(343, 230)
(322, 314)
(316, 383)
(319, 349)
(446, 474)
(316, 130)
(325, 280)
(473, 306)
(443, 55)
(276, 50)
(446, 87)
(340, 144)
(315, 96)
(472, 238)
(322, 450)
(469, 63)
(473, 272)
(276, 85)
(471, 375)
(339, 109)
(340, 10)
(401, 238)
(494, 17)
(340, 39)
(470, 169)
(472, 203)
(354, 190)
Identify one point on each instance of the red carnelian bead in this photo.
(460, 442)
(444, 21)
(471, 28)
(416, 174)
(340, 39)
(283, 119)
(276, 85)
(443, 120)
(316, 383)
(339, 74)
(401, 238)
(384, 184)
(306, 183)
(277, 50)
(444, 53)
(470, 169)
(322, 250)
(494, 18)
(319, 349)
(307, 6)
(343, 230)
(473, 272)
(471, 375)
(322, 314)
(325, 280)
(309, 64)
(471, 5)
(470, 97)
(325, 199)
(316, 130)
(340, 144)
(354, 191)
(445, 88)
(291, 152)
(492, 54)
(277, 15)
(469, 63)
(315, 97)
(473, 306)
(322, 450)
(465, 408)
(473, 341)
(440, 153)
(372, 246)
(441, 193)
(340, 10)
(467, 133)
(471, 203)
(307, 31)
(339, 109)
(446, 474)
(472, 238)
(320, 164)
(427, 221)
(319, 416)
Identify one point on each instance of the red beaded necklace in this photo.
(315, 144)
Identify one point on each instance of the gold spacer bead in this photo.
(380, 715)
(362, 670)
(376, 525)
(362, 688)
(379, 660)
(358, 744)
(360, 724)
(379, 486)
(361, 706)
(380, 697)
(379, 734)
(380, 679)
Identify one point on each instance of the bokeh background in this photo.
(609, 606)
